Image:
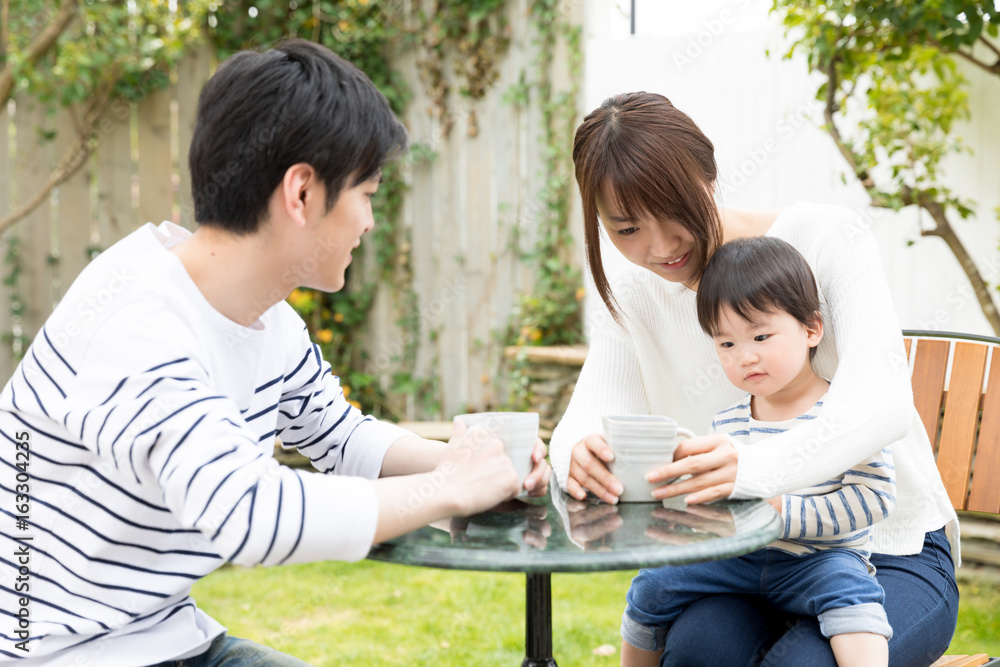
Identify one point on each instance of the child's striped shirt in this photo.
(837, 512)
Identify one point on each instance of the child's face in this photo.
(768, 354)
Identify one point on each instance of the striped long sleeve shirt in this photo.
(150, 421)
(838, 512)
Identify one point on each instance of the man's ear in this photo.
(295, 191)
(814, 331)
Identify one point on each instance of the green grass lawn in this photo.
(378, 614)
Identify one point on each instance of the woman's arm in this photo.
(870, 402)
(609, 383)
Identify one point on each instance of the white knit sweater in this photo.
(659, 361)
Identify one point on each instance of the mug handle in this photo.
(684, 433)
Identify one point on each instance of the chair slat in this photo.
(962, 660)
(928, 382)
(906, 343)
(985, 493)
(961, 414)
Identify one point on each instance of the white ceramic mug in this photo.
(631, 464)
(517, 430)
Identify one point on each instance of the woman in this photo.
(647, 174)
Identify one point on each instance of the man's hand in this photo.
(537, 481)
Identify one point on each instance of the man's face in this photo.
(338, 232)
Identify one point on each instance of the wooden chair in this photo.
(956, 389)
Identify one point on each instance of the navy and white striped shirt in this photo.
(838, 512)
(151, 420)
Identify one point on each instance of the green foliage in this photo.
(892, 65)
(127, 47)
(889, 62)
(551, 313)
(472, 35)
(16, 340)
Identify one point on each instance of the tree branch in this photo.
(829, 109)
(945, 232)
(992, 69)
(75, 155)
(4, 28)
(39, 46)
(989, 45)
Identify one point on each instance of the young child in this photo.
(758, 301)
(138, 431)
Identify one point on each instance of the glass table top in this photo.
(566, 535)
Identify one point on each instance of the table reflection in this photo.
(563, 534)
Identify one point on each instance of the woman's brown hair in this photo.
(656, 163)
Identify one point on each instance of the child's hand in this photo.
(711, 462)
(776, 503)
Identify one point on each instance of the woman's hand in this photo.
(537, 481)
(711, 462)
(589, 523)
(588, 470)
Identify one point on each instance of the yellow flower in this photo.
(535, 336)
(338, 317)
(324, 335)
(580, 293)
(346, 390)
(298, 298)
(344, 26)
(355, 404)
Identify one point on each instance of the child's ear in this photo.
(814, 330)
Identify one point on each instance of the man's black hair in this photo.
(759, 274)
(263, 112)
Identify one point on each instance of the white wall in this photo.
(710, 59)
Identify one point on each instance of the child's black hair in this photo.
(757, 274)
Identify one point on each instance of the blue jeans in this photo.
(227, 651)
(834, 585)
(921, 602)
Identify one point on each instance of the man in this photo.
(138, 430)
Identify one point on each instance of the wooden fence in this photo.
(137, 174)
(462, 209)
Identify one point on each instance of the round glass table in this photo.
(557, 533)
